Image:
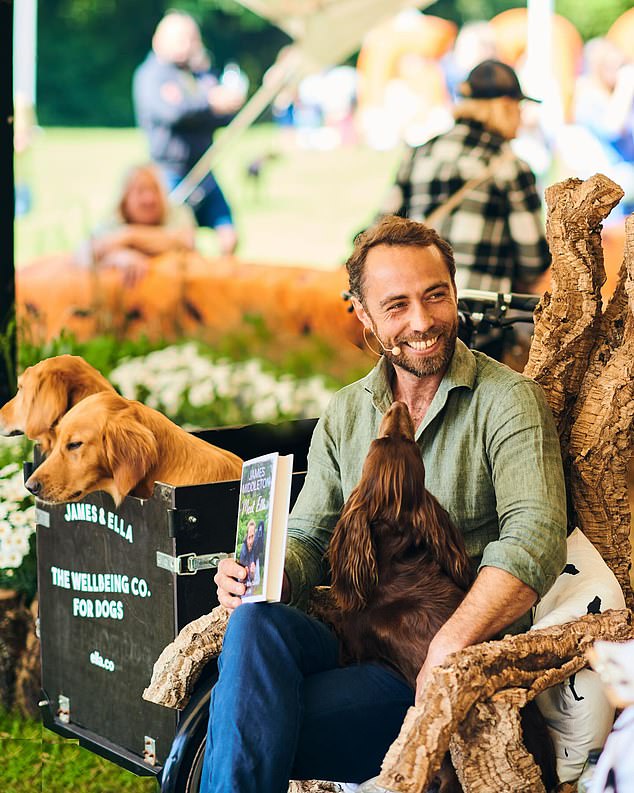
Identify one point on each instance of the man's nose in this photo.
(33, 485)
(421, 318)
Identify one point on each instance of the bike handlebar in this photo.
(521, 302)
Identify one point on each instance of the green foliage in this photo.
(88, 50)
(8, 354)
(35, 759)
(104, 351)
(592, 17)
(298, 356)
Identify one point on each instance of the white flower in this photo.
(9, 469)
(201, 394)
(13, 489)
(167, 376)
(10, 557)
(23, 518)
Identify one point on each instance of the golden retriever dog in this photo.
(120, 446)
(46, 391)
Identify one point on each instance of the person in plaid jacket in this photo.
(497, 229)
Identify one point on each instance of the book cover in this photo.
(265, 491)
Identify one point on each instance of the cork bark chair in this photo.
(583, 357)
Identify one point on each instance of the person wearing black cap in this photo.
(496, 227)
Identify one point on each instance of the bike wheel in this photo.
(183, 768)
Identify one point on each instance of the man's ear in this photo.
(362, 314)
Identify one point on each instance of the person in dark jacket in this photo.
(180, 106)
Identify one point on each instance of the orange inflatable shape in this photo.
(622, 33)
(511, 33)
(409, 34)
(183, 294)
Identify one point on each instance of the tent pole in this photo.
(257, 104)
(7, 201)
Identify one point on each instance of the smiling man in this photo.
(492, 459)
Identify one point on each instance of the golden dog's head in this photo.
(46, 391)
(100, 445)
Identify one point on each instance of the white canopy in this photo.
(325, 32)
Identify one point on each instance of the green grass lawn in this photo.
(35, 760)
(309, 205)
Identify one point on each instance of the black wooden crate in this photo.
(99, 646)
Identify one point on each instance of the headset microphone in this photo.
(394, 350)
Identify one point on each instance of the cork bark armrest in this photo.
(467, 697)
(179, 666)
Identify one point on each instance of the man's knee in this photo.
(253, 621)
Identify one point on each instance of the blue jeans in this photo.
(283, 708)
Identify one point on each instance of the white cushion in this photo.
(577, 711)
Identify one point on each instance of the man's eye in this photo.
(396, 307)
(73, 445)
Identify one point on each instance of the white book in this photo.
(265, 492)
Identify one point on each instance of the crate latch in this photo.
(189, 563)
(149, 750)
(63, 709)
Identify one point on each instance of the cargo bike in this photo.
(117, 584)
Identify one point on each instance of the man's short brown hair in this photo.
(394, 231)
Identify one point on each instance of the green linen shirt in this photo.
(492, 459)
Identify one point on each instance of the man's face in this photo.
(410, 301)
(144, 203)
(179, 39)
(250, 535)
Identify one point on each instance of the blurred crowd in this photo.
(406, 84)
(404, 89)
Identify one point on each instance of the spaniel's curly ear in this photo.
(44, 404)
(446, 542)
(352, 556)
(131, 452)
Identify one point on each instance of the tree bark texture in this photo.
(13, 619)
(583, 357)
(28, 673)
(531, 661)
(178, 667)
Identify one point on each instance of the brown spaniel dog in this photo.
(399, 566)
(399, 569)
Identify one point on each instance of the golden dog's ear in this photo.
(44, 405)
(131, 452)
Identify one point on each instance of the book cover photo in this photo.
(265, 490)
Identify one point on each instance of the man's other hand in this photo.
(229, 580)
(435, 657)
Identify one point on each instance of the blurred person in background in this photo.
(604, 107)
(143, 225)
(474, 43)
(496, 229)
(180, 104)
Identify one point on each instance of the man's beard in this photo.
(422, 367)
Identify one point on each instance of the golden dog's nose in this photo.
(33, 485)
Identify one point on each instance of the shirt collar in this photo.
(460, 374)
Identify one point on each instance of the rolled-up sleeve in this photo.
(527, 472)
(315, 513)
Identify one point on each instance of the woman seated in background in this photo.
(144, 225)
